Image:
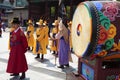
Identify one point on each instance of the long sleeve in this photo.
(32, 31)
(24, 41)
(41, 34)
(58, 35)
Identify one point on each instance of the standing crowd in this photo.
(59, 40)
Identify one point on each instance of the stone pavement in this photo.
(38, 70)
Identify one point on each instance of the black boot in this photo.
(22, 76)
(53, 52)
(67, 65)
(28, 48)
(42, 56)
(61, 66)
(14, 74)
(38, 56)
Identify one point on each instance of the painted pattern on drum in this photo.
(103, 35)
(111, 10)
(109, 44)
(105, 22)
(107, 13)
(112, 31)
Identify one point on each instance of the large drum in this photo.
(96, 29)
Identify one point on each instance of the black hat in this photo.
(15, 20)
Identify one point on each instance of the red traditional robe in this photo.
(18, 46)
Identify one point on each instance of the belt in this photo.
(15, 43)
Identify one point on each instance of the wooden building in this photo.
(48, 9)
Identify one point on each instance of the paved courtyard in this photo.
(38, 70)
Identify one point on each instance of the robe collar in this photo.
(17, 29)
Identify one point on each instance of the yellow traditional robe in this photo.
(46, 35)
(40, 37)
(54, 42)
(30, 36)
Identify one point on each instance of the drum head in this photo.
(82, 30)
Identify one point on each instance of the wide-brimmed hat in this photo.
(40, 22)
(15, 20)
(55, 23)
(29, 22)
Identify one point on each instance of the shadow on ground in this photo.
(18, 78)
(46, 61)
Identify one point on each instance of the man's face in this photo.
(40, 26)
(30, 24)
(56, 25)
(15, 26)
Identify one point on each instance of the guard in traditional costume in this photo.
(18, 46)
(63, 37)
(54, 42)
(40, 46)
(64, 47)
(29, 35)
